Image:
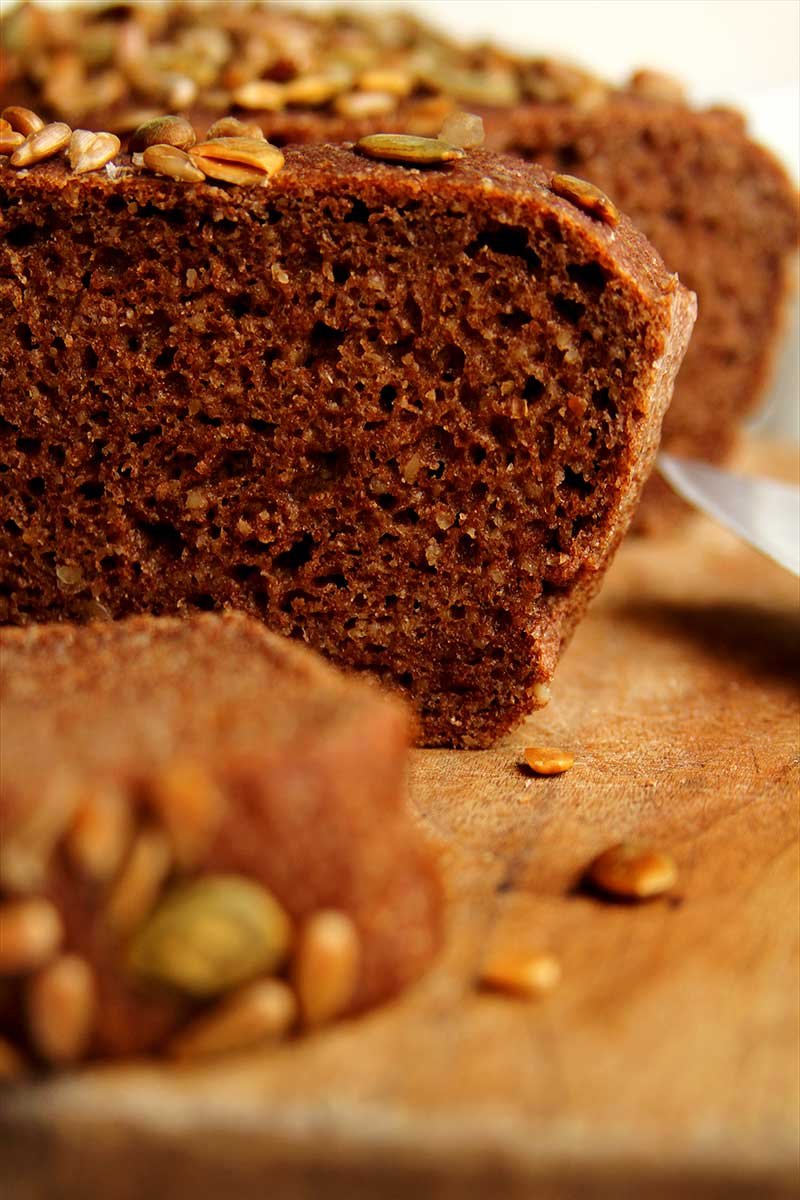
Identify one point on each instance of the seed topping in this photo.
(91, 151)
(242, 160)
(42, 144)
(586, 197)
(22, 120)
(163, 131)
(326, 965)
(258, 1012)
(60, 1007)
(408, 149)
(30, 934)
(211, 935)
(528, 975)
(172, 162)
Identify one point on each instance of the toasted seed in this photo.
(633, 871)
(211, 935)
(30, 934)
(653, 85)
(12, 1063)
(406, 148)
(326, 965)
(355, 105)
(260, 94)
(233, 127)
(521, 974)
(170, 161)
(42, 144)
(312, 91)
(26, 849)
(586, 197)
(92, 152)
(258, 1012)
(136, 891)
(10, 140)
(394, 81)
(22, 120)
(100, 833)
(191, 807)
(464, 130)
(163, 131)
(547, 760)
(60, 1005)
(231, 158)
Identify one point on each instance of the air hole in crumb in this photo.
(90, 359)
(336, 578)
(477, 454)
(406, 516)
(601, 398)
(406, 679)
(25, 336)
(239, 306)
(29, 445)
(92, 489)
(203, 601)
(570, 310)
(134, 344)
(589, 275)
(22, 235)
(534, 388)
(506, 239)
(12, 527)
(165, 359)
(457, 612)
(467, 548)
(324, 343)
(297, 555)
(160, 535)
(386, 501)
(341, 273)
(388, 397)
(451, 361)
(242, 572)
(516, 319)
(359, 213)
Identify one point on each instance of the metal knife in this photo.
(763, 512)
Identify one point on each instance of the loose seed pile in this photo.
(133, 60)
(220, 942)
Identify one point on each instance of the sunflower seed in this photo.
(9, 139)
(528, 975)
(326, 966)
(91, 151)
(42, 144)
(586, 197)
(258, 1012)
(100, 833)
(191, 806)
(170, 161)
(238, 159)
(22, 120)
(233, 127)
(261, 94)
(396, 82)
(163, 131)
(355, 105)
(211, 935)
(136, 890)
(406, 148)
(60, 1006)
(30, 934)
(632, 871)
(312, 91)
(546, 760)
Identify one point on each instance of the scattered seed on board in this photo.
(30, 934)
(633, 872)
(408, 149)
(91, 151)
(163, 131)
(42, 144)
(172, 162)
(325, 966)
(586, 197)
(547, 760)
(22, 120)
(60, 1005)
(211, 935)
(521, 974)
(259, 1012)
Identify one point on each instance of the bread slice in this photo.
(718, 207)
(403, 413)
(142, 757)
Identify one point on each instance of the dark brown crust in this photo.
(583, 310)
(311, 767)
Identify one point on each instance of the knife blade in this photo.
(763, 512)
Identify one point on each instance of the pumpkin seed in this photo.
(409, 149)
(211, 935)
(586, 197)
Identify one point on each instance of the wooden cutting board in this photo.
(665, 1064)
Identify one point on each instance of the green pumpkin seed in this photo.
(211, 935)
(406, 148)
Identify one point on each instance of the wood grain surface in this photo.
(667, 1061)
